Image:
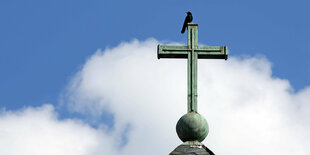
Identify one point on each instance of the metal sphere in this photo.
(192, 126)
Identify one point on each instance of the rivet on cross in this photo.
(192, 52)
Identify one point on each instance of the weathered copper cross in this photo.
(192, 52)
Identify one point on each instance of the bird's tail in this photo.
(184, 27)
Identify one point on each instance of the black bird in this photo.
(188, 19)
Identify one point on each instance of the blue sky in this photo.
(49, 46)
(44, 42)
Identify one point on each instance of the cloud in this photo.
(37, 131)
(248, 109)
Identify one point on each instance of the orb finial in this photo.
(192, 127)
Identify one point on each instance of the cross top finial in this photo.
(192, 35)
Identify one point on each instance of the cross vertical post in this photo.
(192, 43)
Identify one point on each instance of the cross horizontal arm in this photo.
(204, 52)
(166, 51)
(212, 52)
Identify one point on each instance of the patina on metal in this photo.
(192, 128)
(192, 52)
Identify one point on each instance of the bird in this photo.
(188, 19)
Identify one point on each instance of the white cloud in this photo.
(37, 131)
(249, 111)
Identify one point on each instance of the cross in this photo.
(192, 52)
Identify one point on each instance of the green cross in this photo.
(192, 52)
